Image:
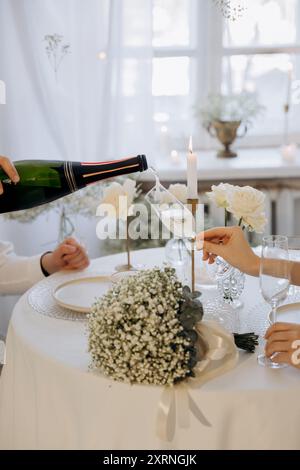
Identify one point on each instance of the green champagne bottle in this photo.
(43, 181)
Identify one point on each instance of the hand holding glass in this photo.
(274, 280)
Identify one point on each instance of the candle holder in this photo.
(286, 124)
(288, 149)
(193, 203)
(128, 266)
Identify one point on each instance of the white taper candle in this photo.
(192, 178)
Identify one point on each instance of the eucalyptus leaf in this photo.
(192, 335)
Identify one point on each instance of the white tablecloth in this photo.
(49, 399)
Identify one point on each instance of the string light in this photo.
(101, 55)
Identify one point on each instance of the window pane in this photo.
(265, 22)
(129, 77)
(173, 132)
(267, 75)
(135, 26)
(175, 119)
(171, 20)
(171, 76)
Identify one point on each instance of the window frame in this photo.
(208, 52)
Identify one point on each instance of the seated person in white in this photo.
(18, 273)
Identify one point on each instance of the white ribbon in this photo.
(176, 403)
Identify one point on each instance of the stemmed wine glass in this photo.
(176, 217)
(294, 252)
(274, 280)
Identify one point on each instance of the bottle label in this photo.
(69, 174)
(104, 163)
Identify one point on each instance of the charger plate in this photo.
(41, 299)
(79, 294)
(289, 313)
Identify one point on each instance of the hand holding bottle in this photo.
(68, 255)
(10, 170)
(43, 181)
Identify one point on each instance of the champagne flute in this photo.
(294, 252)
(274, 280)
(176, 217)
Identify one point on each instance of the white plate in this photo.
(289, 313)
(80, 294)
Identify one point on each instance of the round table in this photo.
(50, 400)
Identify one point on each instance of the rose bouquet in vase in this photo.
(245, 205)
(117, 203)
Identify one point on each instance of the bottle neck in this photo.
(82, 174)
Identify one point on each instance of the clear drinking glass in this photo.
(294, 254)
(274, 280)
(176, 217)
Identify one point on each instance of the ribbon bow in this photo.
(176, 404)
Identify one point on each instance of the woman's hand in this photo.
(283, 343)
(10, 170)
(230, 244)
(68, 255)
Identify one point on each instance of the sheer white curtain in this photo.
(99, 106)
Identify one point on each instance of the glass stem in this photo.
(226, 218)
(274, 312)
(128, 243)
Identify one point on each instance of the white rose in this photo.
(245, 202)
(179, 191)
(120, 198)
(129, 187)
(220, 194)
(255, 224)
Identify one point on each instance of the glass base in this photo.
(264, 361)
(236, 304)
(128, 267)
(218, 319)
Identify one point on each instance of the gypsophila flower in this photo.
(135, 331)
(231, 9)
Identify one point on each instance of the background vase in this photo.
(226, 132)
(66, 226)
(230, 283)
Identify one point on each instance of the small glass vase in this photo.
(230, 282)
(178, 256)
(66, 226)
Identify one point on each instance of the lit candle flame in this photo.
(191, 145)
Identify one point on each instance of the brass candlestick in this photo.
(128, 266)
(193, 203)
(286, 124)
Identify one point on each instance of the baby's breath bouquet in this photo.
(145, 330)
